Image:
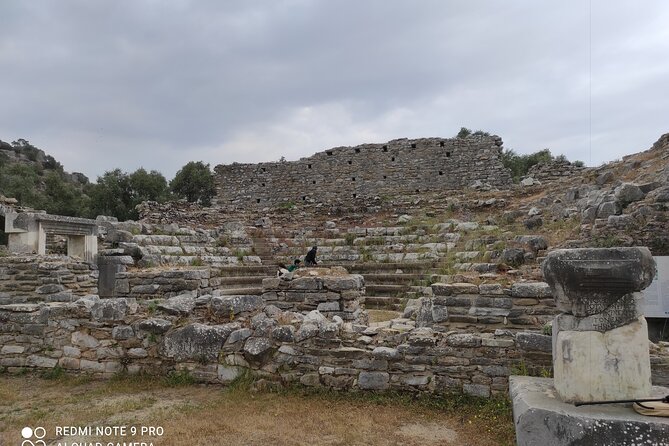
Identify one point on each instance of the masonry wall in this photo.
(554, 170)
(45, 279)
(217, 338)
(109, 336)
(368, 170)
(484, 307)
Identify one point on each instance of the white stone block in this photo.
(595, 366)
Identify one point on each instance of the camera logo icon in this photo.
(33, 437)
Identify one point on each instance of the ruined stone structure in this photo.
(28, 231)
(600, 340)
(554, 170)
(600, 354)
(369, 170)
(45, 279)
(275, 336)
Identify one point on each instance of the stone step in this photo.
(375, 290)
(362, 268)
(383, 303)
(242, 280)
(376, 278)
(248, 270)
(256, 291)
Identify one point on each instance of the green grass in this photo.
(54, 373)
(197, 261)
(177, 379)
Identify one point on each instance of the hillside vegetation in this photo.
(38, 181)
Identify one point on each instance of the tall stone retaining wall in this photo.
(109, 336)
(45, 278)
(217, 338)
(368, 170)
(520, 306)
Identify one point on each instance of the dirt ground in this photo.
(196, 415)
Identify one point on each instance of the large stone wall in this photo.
(486, 306)
(216, 338)
(109, 336)
(45, 279)
(349, 173)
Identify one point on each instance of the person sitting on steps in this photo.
(294, 266)
(310, 259)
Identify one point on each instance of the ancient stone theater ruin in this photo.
(429, 276)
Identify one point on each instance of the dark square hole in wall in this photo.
(352, 178)
(263, 184)
(384, 177)
(413, 145)
(392, 159)
(357, 150)
(313, 182)
(329, 153)
(350, 162)
(355, 195)
(441, 172)
(264, 170)
(385, 148)
(417, 190)
(304, 198)
(309, 165)
(441, 143)
(448, 154)
(257, 200)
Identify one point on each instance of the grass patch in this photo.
(382, 315)
(197, 261)
(492, 415)
(242, 383)
(212, 415)
(179, 378)
(55, 373)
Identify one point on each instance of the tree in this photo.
(463, 133)
(148, 186)
(20, 181)
(195, 183)
(111, 195)
(64, 198)
(117, 193)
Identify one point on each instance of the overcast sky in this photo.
(155, 84)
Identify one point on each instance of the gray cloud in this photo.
(155, 84)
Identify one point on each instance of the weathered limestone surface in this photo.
(368, 170)
(525, 304)
(45, 278)
(542, 418)
(588, 281)
(296, 344)
(612, 365)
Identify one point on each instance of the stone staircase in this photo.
(389, 285)
(242, 279)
